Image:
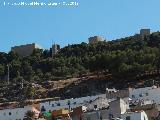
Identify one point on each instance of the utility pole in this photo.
(22, 84)
(8, 74)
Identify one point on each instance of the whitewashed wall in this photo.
(52, 105)
(15, 114)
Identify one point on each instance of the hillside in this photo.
(130, 60)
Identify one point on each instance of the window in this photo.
(52, 105)
(128, 118)
(146, 94)
(69, 102)
(59, 118)
(133, 96)
(10, 113)
(43, 109)
(4, 114)
(140, 95)
(58, 104)
(95, 106)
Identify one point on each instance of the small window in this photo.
(133, 96)
(58, 104)
(43, 109)
(128, 118)
(59, 117)
(69, 102)
(140, 95)
(52, 105)
(10, 113)
(146, 94)
(95, 106)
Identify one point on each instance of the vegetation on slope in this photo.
(126, 57)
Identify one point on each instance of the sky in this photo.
(65, 25)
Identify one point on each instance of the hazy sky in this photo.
(65, 25)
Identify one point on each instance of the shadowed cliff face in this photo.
(95, 85)
(78, 87)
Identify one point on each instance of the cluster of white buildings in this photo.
(147, 95)
(117, 110)
(20, 113)
(69, 103)
(129, 104)
(114, 105)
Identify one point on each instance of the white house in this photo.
(149, 94)
(144, 96)
(68, 103)
(99, 103)
(139, 115)
(118, 107)
(17, 113)
(115, 110)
